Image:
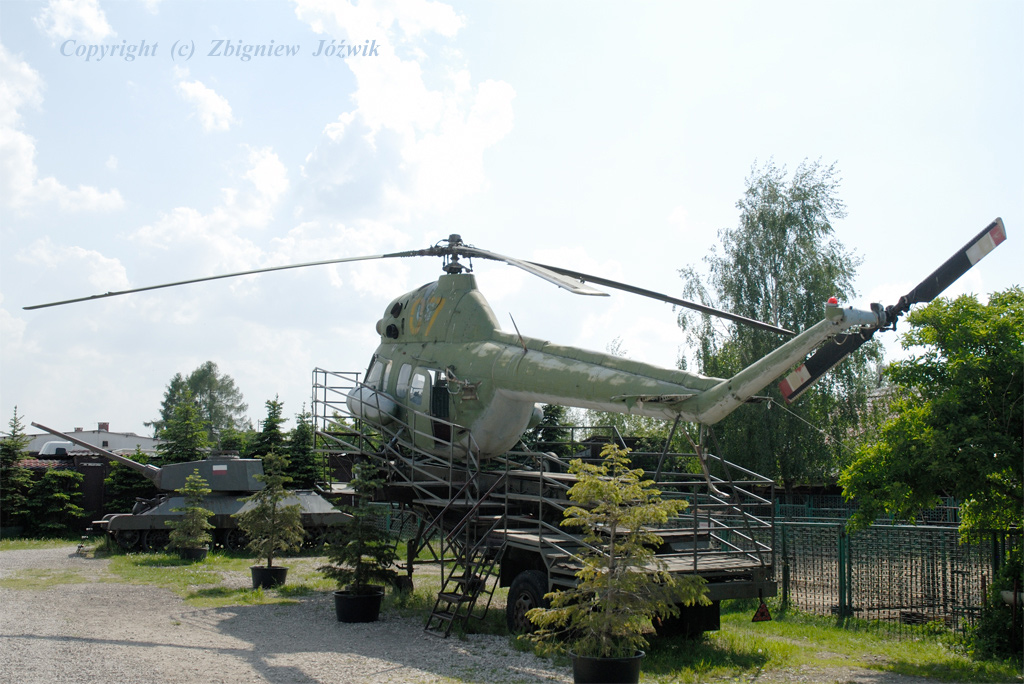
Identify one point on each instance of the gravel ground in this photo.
(102, 632)
(99, 632)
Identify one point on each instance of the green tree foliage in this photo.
(54, 504)
(957, 418)
(218, 401)
(780, 265)
(184, 436)
(361, 551)
(305, 460)
(123, 485)
(15, 481)
(997, 634)
(192, 529)
(551, 435)
(271, 526)
(622, 585)
(237, 440)
(271, 437)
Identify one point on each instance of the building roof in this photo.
(47, 463)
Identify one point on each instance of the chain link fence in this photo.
(889, 575)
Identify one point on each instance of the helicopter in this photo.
(445, 368)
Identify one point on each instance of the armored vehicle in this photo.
(229, 477)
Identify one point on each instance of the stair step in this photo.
(456, 504)
(453, 597)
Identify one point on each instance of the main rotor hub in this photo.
(451, 257)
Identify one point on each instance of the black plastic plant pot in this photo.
(587, 670)
(351, 607)
(196, 553)
(267, 578)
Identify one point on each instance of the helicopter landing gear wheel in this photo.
(156, 540)
(527, 592)
(128, 540)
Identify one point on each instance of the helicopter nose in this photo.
(380, 327)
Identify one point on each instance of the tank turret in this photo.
(229, 478)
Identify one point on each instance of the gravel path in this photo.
(96, 631)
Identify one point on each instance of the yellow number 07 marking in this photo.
(435, 303)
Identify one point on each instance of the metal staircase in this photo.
(486, 523)
(468, 587)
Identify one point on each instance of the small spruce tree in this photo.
(53, 504)
(302, 451)
(271, 437)
(622, 586)
(192, 530)
(361, 551)
(272, 527)
(15, 481)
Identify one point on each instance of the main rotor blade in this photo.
(823, 360)
(955, 266)
(665, 298)
(422, 252)
(548, 273)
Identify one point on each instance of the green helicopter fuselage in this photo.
(443, 361)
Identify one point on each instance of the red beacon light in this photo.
(832, 301)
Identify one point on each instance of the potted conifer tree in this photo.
(361, 552)
(190, 534)
(271, 527)
(621, 587)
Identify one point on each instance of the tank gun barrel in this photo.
(151, 472)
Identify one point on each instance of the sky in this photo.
(142, 143)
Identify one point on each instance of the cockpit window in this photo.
(373, 376)
(402, 388)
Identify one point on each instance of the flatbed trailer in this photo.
(497, 523)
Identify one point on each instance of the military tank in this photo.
(229, 477)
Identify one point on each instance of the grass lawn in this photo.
(743, 649)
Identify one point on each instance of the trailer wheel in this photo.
(315, 538)
(234, 539)
(527, 592)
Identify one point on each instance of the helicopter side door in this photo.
(425, 392)
(440, 408)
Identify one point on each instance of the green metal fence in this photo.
(893, 574)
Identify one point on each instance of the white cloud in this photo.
(79, 19)
(219, 240)
(365, 20)
(20, 85)
(20, 186)
(73, 262)
(267, 174)
(213, 110)
(407, 147)
(449, 162)
(12, 330)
